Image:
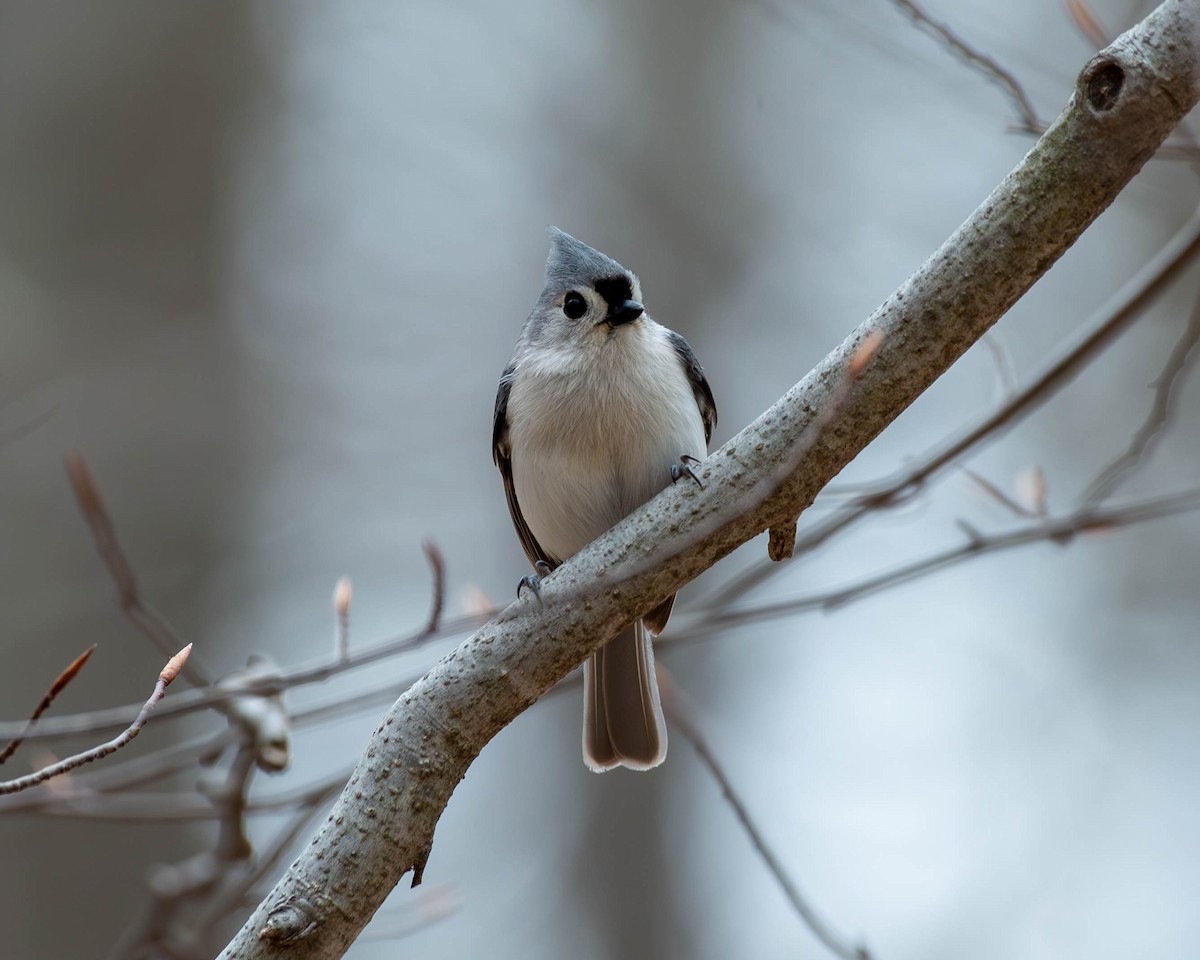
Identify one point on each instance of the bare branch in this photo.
(59, 684)
(1112, 320)
(154, 765)
(978, 61)
(229, 799)
(167, 674)
(1174, 372)
(218, 696)
(148, 620)
(1059, 530)
(234, 892)
(680, 711)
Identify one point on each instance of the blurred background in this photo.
(262, 263)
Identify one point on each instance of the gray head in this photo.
(585, 290)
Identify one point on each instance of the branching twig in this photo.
(1113, 319)
(679, 710)
(237, 886)
(1174, 371)
(168, 673)
(218, 697)
(977, 61)
(86, 803)
(60, 682)
(229, 799)
(140, 614)
(1060, 530)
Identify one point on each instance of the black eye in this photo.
(574, 306)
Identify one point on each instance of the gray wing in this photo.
(700, 387)
(502, 455)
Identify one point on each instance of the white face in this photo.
(583, 311)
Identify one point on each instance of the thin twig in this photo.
(159, 764)
(978, 61)
(171, 887)
(59, 684)
(681, 713)
(229, 800)
(999, 495)
(1060, 530)
(1174, 372)
(148, 620)
(190, 701)
(181, 806)
(342, 594)
(1006, 370)
(694, 623)
(1113, 319)
(165, 676)
(22, 429)
(437, 567)
(235, 887)
(1088, 23)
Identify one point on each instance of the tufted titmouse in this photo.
(595, 413)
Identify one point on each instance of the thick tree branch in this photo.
(1127, 100)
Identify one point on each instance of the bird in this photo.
(599, 409)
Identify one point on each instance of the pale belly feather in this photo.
(589, 447)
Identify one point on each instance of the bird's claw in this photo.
(684, 469)
(533, 582)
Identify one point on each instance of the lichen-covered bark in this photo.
(1127, 100)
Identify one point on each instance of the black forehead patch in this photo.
(615, 290)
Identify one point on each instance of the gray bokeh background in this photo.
(263, 264)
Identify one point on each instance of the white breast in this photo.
(594, 433)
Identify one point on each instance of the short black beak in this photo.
(626, 312)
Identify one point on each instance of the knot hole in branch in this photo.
(1101, 82)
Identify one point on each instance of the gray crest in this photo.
(571, 261)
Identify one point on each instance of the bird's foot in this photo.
(684, 469)
(533, 582)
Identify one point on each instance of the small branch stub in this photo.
(781, 541)
(292, 920)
